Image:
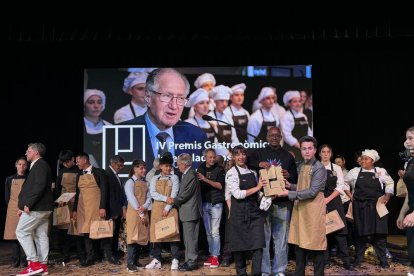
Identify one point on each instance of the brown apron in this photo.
(307, 226)
(163, 187)
(240, 122)
(223, 132)
(12, 219)
(138, 232)
(210, 132)
(68, 186)
(88, 203)
(69, 182)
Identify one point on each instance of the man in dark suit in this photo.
(117, 199)
(166, 94)
(188, 201)
(36, 201)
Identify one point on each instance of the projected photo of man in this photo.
(166, 94)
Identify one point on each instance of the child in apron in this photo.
(137, 220)
(162, 187)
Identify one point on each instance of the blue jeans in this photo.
(277, 227)
(212, 217)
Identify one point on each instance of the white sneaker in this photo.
(154, 264)
(174, 264)
(280, 274)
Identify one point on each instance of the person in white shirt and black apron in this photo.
(294, 124)
(334, 186)
(207, 82)
(370, 185)
(199, 101)
(246, 218)
(134, 85)
(94, 104)
(263, 118)
(239, 115)
(224, 133)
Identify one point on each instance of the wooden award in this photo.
(275, 181)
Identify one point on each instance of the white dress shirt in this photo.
(340, 183)
(233, 183)
(288, 123)
(256, 122)
(125, 113)
(92, 128)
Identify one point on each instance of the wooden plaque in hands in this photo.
(274, 179)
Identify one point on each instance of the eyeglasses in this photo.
(167, 98)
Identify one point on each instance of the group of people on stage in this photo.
(221, 102)
(212, 192)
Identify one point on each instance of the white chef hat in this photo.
(197, 96)
(134, 78)
(221, 92)
(238, 88)
(290, 95)
(265, 92)
(94, 92)
(203, 78)
(373, 154)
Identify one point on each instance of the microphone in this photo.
(209, 118)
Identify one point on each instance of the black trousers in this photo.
(156, 248)
(351, 237)
(378, 241)
(240, 261)
(65, 242)
(318, 263)
(226, 255)
(115, 238)
(134, 251)
(86, 249)
(410, 244)
(18, 254)
(342, 248)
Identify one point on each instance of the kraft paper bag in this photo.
(61, 215)
(166, 228)
(381, 208)
(101, 229)
(141, 233)
(73, 229)
(349, 214)
(333, 222)
(401, 189)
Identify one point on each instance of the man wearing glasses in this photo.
(166, 94)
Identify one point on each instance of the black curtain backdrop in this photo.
(362, 90)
